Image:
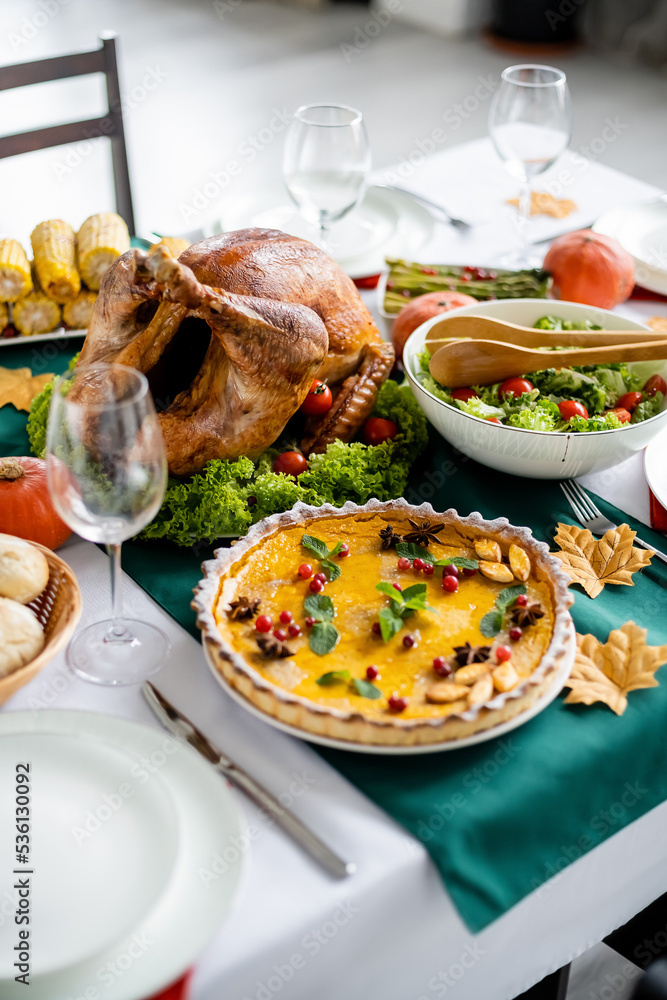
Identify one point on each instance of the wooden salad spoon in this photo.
(482, 362)
(488, 328)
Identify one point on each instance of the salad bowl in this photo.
(537, 454)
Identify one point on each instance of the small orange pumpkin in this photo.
(590, 268)
(26, 509)
(422, 308)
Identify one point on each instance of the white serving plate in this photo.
(642, 231)
(535, 454)
(112, 870)
(60, 334)
(553, 691)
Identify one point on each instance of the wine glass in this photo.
(107, 473)
(326, 163)
(530, 122)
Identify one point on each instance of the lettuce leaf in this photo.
(647, 408)
(598, 422)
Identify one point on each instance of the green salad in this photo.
(585, 398)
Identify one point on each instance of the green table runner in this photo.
(500, 818)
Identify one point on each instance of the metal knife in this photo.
(437, 211)
(180, 725)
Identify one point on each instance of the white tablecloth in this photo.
(391, 931)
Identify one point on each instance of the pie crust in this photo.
(214, 592)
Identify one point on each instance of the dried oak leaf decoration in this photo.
(19, 386)
(608, 672)
(593, 563)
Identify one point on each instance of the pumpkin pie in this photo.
(386, 624)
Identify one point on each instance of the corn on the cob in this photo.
(77, 313)
(174, 244)
(4, 316)
(101, 239)
(35, 313)
(54, 251)
(15, 279)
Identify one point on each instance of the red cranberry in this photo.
(469, 572)
(310, 622)
(344, 551)
(450, 584)
(515, 633)
(429, 569)
(294, 630)
(305, 571)
(372, 673)
(397, 586)
(404, 563)
(451, 570)
(396, 704)
(418, 564)
(280, 634)
(375, 627)
(264, 623)
(522, 600)
(503, 653)
(441, 667)
(321, 577)
(286, 617)
(409, 641)
(316, 586)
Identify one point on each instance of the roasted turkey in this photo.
(232, 334)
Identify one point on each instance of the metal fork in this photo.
(591, 518)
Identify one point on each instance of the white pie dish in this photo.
(535, 454)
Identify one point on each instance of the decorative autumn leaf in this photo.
(592, 563)
(608, 672)
(19, 386)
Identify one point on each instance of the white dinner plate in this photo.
(655, 467)
(386, 223)
(642, 231)
(123, 821)
(60, 334)
(489, 734)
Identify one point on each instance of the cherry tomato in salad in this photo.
(291, 463)
(629, 401)
(464, 394)
(318, 400)
(377, 430)
(623, 415)
(572, 408)
(656, 383)
(515, 387)
(492, 420)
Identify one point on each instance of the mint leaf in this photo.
(491, 623)
(389, 590)
(331, 569)
(366, 689)
(316, 546)
(509, 594)
(335, 550)
(333, 677)
(390, 623)
(319, 607)
(323, 638)
(461, 561)
(415, 596)
(409, 550)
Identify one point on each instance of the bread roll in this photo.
(24, 571)
(21, 636)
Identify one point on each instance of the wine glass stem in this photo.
(524, 216)
(118, 629)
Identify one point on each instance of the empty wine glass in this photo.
(107, 474)
(530, 122)
(326, 163)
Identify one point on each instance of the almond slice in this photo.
(519, 563)
(481, 691)
(445, 692)
(487, 548)
(505, 677)
(471, 673)
(500, 572)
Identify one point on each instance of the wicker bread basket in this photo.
(58, 609)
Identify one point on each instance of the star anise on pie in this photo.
(467, 654)
(272, 647)
(527, 615)
(390, 538)
(424, 532)
(243, 607)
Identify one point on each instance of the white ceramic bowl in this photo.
(537, 454)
